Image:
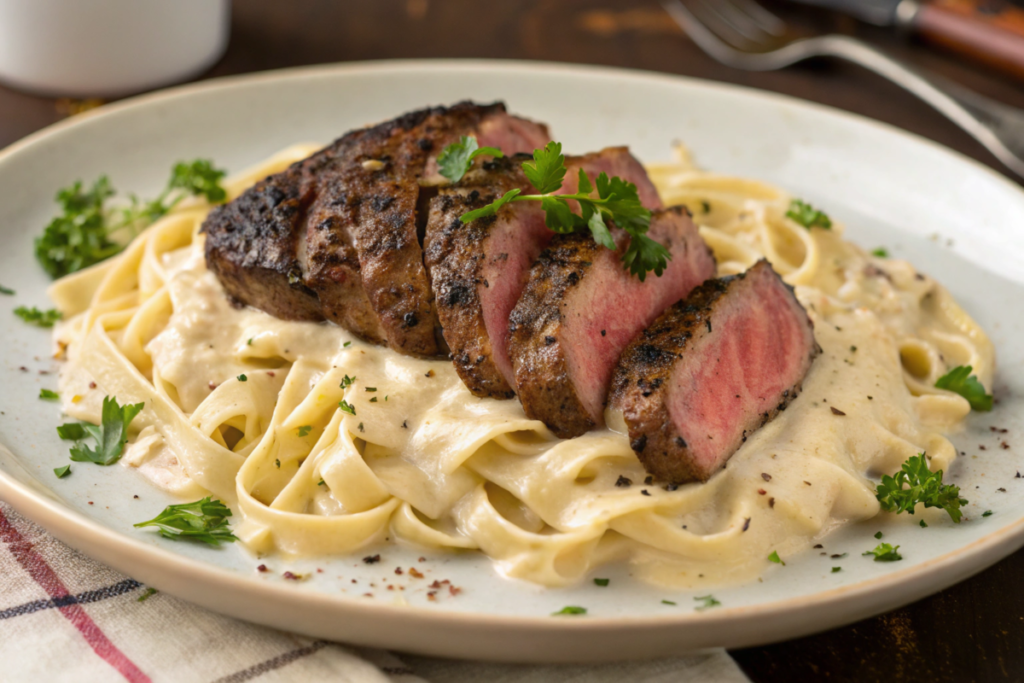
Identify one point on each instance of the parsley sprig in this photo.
(205, 520)
(34, 316)
(617, 201)
(87, 231)
(884, 552)
(110, 436)
(807, 216)
(914, 484)
(959, 380)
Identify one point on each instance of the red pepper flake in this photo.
(762, 491)
(270, 373)
(367, 595)
(415, 573)
(836, 411)
(423, 559)
(354, 581)
(398, 570)
(212, 386)
(981, 447)
(371, 559)
(135, 497)
(432, 595)
(430, 373)
(819, 546)
(90, 502)
(319, 571)
(292, 577)
(766, 476)
(645, 492)
(1004, 445)
(262, 569)
(807, 482)
(390, 587)
(454, 591)
(92, 385)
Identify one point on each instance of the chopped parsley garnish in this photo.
(373, 400)
(601, 582)
(277, 463)
(878, 535)
(242, 378)
(346, 407)
(249, 343)
(304, 430)
(807, 216)
(571, 609)
(457, 158)
(62, 472)
(205, 520)
(82, 234)
(71, 431)
(667, 602)
(959, 380)
(880, 252)
(346, 381)
(707, 602)
(36, 317)
(346, 345)
(914, 484)
(924, 524)
(150, 592)
(110, 436)
(885, 553)
(321, 483)
(617, 200)
(774, 557)
(5, 290)
(836, 569)
(48, 395)
(371, 388)
(986, 513)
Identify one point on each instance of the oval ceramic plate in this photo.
(952, 217)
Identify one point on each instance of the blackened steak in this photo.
(354, 228)
(581, 308)
(478, 270)
(712, 369)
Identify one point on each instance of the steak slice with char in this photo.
(711, 370)
(581, 308)
(478, 270)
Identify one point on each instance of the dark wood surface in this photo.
(971, 632)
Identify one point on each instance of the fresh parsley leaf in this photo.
(878, 535)
(601, 582)
(617, 202)
(885, 553)
(62, 472)
(774, 557)
(83, 234)
(457, 158)
(571, 609)
(807, 216)
(347, 407)
(880, 252)
(986, 513)
(5, 290)
(836, 569)
(346, 345)
(48, 395)
(110, 436)
(36, 317)
(346, 381)
(914, 484)
(242, 378)
(924, 524)
(959, 380)
(667, 602)
(204, 520)
(707, 602)
(71, 431)
(547, 171)
(304, 430)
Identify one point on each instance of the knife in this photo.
(990, 31)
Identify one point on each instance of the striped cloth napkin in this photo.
(64, 617)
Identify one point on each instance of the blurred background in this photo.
(971, 632)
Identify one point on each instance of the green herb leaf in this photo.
(204, 520)
(885, 553)
(601, 582)
(62, 472)
(571, 609)
(346, 382)
(667, 602)
(242, 378)
(48, 395)
(547, 171)
(959, 380)
(321, 483)
(491, 208)
(36, 317)
(110, 436)
(5, 290)
(836, 569)
(304, 430)
(774, 557)
(81, 235)
(150, 592)
(924, 524)
(457, 158)
(914, 484)
(807, 216)
(986, 513)
(644, 255)
(880, 252)
(707, 602)
(878, 535)
(71, 431)
(347, 407)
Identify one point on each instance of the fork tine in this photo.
(736, 13)
(708, 13)
(765, 20)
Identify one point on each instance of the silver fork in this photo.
(744, 35)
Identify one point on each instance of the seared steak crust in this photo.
(669, 357)
(251, 242)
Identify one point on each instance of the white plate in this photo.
(952, 217)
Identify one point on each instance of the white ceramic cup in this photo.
(107, 48)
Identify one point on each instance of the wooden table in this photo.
(971, 632)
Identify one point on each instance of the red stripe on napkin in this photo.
(38, 569)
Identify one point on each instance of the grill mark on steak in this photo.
(581, 308)
(478, 271)
(691, 392)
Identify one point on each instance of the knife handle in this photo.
(990, 31)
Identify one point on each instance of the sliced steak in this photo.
(478, 271)
(711, 370)
(581, 308)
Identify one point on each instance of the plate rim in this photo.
(106, 545)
